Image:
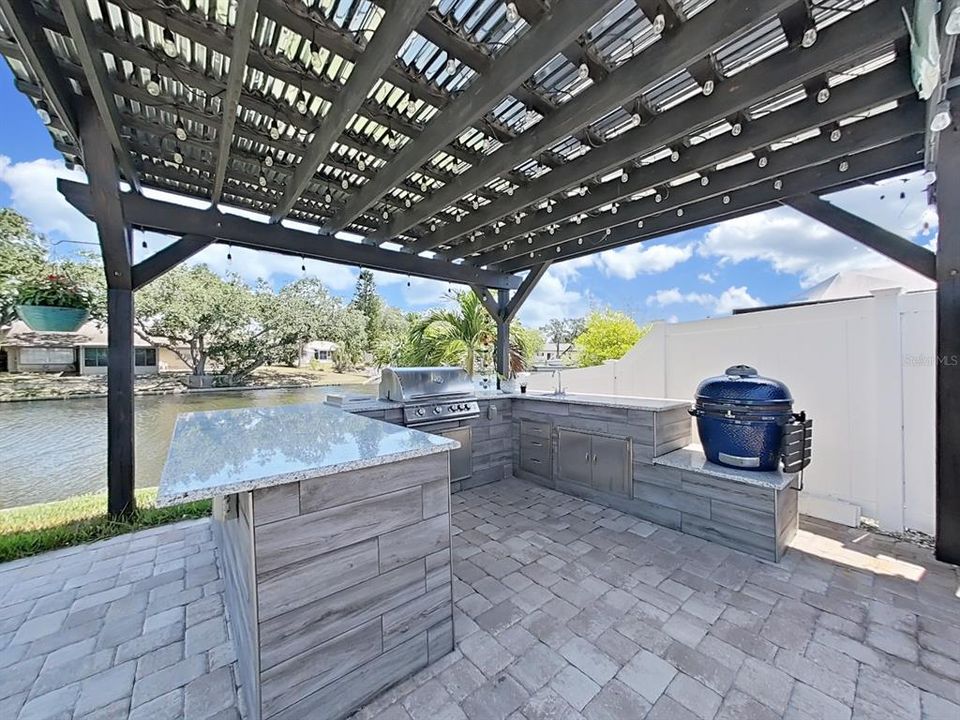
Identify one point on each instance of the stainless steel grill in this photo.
(430, 394)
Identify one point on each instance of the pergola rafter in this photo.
(436, 132)
(834, 51)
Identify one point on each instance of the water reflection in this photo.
(54, 449)
(213, 449)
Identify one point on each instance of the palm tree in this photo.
(464, 335)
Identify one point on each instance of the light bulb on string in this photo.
(169, 44)
(179, 130)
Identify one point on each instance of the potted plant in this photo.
(53, 303)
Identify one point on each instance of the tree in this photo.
(607, 335)
(23, 254)
(394, 326)
(563, 331)
(464, 335)
(369, 303)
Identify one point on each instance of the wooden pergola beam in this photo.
(171, 218)
(162, 261)
(704, 33)
(239, 50)
(883, 160)
(76, 15)
(567, 20)
(784, 70)
(372, 63)
(526, 287)
(876, 238)
(865, 93)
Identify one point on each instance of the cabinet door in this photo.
(574, 457)
(610, 460)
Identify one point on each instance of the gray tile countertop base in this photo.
(692, 459)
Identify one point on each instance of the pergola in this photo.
(479, 141)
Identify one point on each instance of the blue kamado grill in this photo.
(747, 421)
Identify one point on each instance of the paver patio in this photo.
(565, 609)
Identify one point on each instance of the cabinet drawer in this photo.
(535, 461)
(534, 444)
(535, 429)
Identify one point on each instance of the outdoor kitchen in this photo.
(334, 520)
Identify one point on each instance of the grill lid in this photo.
(424, 383)
(742, 385)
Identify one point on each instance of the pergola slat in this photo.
(387, 39)
(240, 48)
(757, 192)
(703, 33)
(887, 84)
(568, 19)
(91, 59)
(834, 50)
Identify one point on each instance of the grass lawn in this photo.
(33, 529)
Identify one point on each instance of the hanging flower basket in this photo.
(45, 318)
(53, 303)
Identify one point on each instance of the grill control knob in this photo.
(421, 411)
(437, 410)
(453, 408)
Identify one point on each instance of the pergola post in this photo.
(116, 247)
(502, 352)
(948, 344)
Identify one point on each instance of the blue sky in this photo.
(767, 258)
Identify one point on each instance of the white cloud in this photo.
(796, 244)
(641, 259)
(33, 193)
(554, 297)
(707, 278)
(734, 298)
(731, 299)
(673, 296)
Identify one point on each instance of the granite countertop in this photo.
(615, 401)
(227, 451)
(692, 459)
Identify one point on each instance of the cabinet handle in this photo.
(594, 459)
(587, 457)
(536, 444)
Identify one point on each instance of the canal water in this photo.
(55, 449)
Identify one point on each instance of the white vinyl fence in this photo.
(863, 369)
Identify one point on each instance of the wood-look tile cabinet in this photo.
(601, 462)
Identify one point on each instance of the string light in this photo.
(624, 176)
(274, 130)
(43, 111)
(639, 224)
(327, 197)
(345, 184)
(658, 198)
(263, 180)
(941, 117)
(844, 166)
(762, 161)
(178, 156)
(268, 160)
(736, 129)
(809, 37)
(302, 105)
(179, 130)
(361, 165)
(637, 119)
(169, 44)
(835, 134)
(679, 212)
(675, 156)
(659, 24)
(229, 253)
(583, 72)
(303, 264)
(708, 87)
(451, 66)
(823, 94)
(726, 200)
(704, 181)
(778, 184)
(153, 85)
(512, 13)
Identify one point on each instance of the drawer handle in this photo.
(536, 444)
(535, 460)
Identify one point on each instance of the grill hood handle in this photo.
(741, 371)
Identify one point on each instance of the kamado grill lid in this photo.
(742, 385)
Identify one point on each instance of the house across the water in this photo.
(83, 352)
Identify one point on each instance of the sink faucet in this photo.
(559, 389)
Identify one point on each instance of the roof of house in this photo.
(860, 283)
(320, 345)
(90, 334)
